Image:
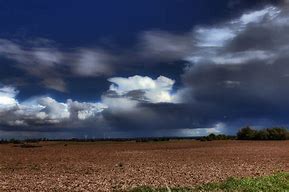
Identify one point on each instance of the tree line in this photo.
(276, 133)
(248, 133)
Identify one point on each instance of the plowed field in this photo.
(108, 166)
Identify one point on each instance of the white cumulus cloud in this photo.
(155, 90)
(44, 110)
(7, 96)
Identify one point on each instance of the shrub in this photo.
(14, 141)
(213, 137)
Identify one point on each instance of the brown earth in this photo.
(107, 166)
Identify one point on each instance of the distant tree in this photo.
(275, 133)
(262, 135)
(247, 133)
(211, 137)
(278, 133)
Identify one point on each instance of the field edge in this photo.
(275, 182)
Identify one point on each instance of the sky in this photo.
(146, 68)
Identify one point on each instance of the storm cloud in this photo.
(236, 75)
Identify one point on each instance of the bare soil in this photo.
(109, 166)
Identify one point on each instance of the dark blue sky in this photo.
(90, 23)
(111, 24)
(169, 56)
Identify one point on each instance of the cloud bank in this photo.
(125, 95)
